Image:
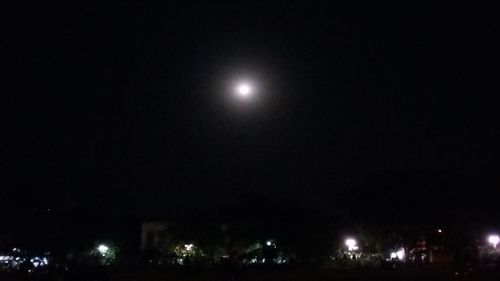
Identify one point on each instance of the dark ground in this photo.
(407, 274)
(321, 274)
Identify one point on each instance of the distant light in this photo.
(351, 244)
(244, 90)
(189, 247)
(440, 230)
(494, 240)
(401, 254)
(103, 249)
(36, 262)
(269, 243)
(6, 258)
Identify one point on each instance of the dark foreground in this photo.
(407, 274)
(318, 275)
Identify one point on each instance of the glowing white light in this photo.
(6, 258)
(189, 247)
(103, 249)
(269, 243)
(244, 90)
(351, 244)
(494, 240)
(36, 262)
(440, 231)
(401, 254)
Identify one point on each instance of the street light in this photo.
(244, 90)
(494, 240)
(351, 244)
(189, 247)
(103, 249)
(400, 254)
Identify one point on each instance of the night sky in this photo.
(124, 107)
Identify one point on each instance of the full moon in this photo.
(244, 90)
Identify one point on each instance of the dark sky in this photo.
(121, 106)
